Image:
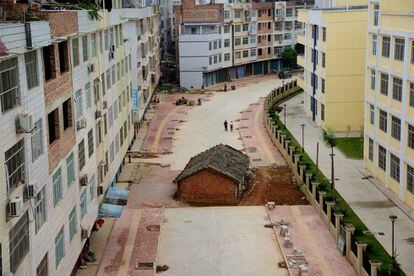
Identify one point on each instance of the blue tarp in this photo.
(117, 193)
(110, 210)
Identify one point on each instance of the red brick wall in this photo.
(62, 23)
(193, 12)
(60, 148)
(207, 187)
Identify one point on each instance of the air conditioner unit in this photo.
(16, 207)
(84, 180)
(84, 234)
(81, 123)
(91, 68)
(104, 104)
(100, 190)
(98, 114)
(31, 190)
(25, 122)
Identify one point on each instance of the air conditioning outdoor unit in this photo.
(84, 234)
(84, 180)
(81, 123)
(30, 190)
(25, 122)
(100, 190)
(91, 68)
(16, 207)
(98, 114)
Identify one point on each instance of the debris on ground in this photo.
(161, 268)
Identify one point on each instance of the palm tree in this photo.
(329, 140)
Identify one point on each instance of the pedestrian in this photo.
(225, 125)
(225, 87)
(231, 126)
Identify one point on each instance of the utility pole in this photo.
(303, 137)
(393, 218)
(284, 114)
(317, 160)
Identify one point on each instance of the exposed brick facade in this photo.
(61, 147)
(62, 23)
(207, 188)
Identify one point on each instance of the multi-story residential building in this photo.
(221, 41)
(389, 96)
(333, 63)
(66, 98)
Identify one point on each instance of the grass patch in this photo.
(351, 147)
(374, 250)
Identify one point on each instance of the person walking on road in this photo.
(225, 125)
(231, 126)
(225, 87)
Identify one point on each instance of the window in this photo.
(92, 184)
(237, 28)
(386, 43)
(112, 151)
(98, 133)
(75, 52)
(410, 179)
(37, 140)
(371, 114)
(323, 60)
(323, 85)
(245, 54)
(384, 84)
(93, 45)
(226, 43)
(374, 44)
(70, 169)
(226, 29)
(67, 113)
(323, 34)
(90, 142)
(42, 268)
(237, 13)
(73, 224)
(252, 52)
(108, 79)
(245, 27)
(57, 187)
(237, 42)
(96, 93)
(370, 149)
(40, 209)
(30, 59)
(382, 158)
(49, 62)
(14, 160)
(59, 247)
(397, 89)
(215, 45)
(373, 79)
(396, 128)
(383, 120)
(237, 55)
(85, 48)
(113, 74)
(395, 168)
(53, 125)
(376, 14)
(245, 40)
(78, 104)
(226, 57)
(81, 154)
(410, 140)
(83, 204)
(226, 14)
(88, 95)
(63, 57)
(19, 242)
(9, 84)
(411, 94)
(399, 49)
(322, 112)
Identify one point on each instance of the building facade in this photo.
(389, 96)
(334, 65)
(66, 95)
(221, 41)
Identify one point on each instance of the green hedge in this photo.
(374, 250)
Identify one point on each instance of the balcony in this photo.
(300, 38)
(301, 60)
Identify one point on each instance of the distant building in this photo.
(215, 176)
(219, 41)
(334, 64)
(389, 96)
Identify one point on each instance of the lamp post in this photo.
(284, 114)
(393, 218)
(303, 137)
(332, 155)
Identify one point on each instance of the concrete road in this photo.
(204, 125)
(218, 241)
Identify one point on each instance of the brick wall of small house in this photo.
(62, 23)
(61, 147)
(207, 187)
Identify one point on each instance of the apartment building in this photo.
(221, 41)
(334, 64)
(66, 97)
(389, 96)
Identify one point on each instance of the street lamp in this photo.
(303, 137)
(332, 155)
(284, 113)
(393, 218)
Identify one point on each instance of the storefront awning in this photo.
(117, 196)
(110, 210)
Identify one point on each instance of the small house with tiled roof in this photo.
(215, 176)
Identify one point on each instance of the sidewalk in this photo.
(367, 201)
